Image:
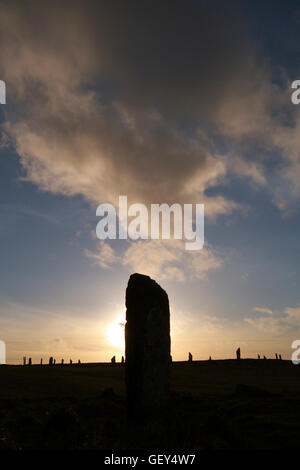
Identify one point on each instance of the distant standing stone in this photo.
(113, 360)
(238, 353)
(29, 361)
(190, 357)
(147, 346)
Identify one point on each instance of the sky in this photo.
(164, 102)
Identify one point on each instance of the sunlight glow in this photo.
(115, 332)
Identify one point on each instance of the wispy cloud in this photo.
(268, 311)
(272, 322)
(105, 257)
(161, 259)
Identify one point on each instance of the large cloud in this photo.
(159, 101)
(112, 98)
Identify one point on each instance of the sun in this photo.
(115, 332)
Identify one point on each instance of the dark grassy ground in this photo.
(247, 404)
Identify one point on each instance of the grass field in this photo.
(247, 404)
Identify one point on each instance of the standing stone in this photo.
(51, 361)
(54, 362)
(62, 361)
(238, 353)
(71, 361)
(41, 361)
(24, 361)
(280, 358)
(122, 360)
(29, 361)
(113, 360)
(147, 346)
(265, 358)
(190, 357)
(209, 358)
(276, 355)
(258, 356)
(79, 361)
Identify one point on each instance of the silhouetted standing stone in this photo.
(113, 360)
(51, 361)
(190, 357)
(24, 361)
(54, 362)
(276, 355)
(280, 358)
(209, 358)
(62, 361)
(147, 350)
(41, 361)
(79, 361)
(258, 356)
(71, 361)
(238, 353)
(122, 360)
(265, 357)
(29, 361)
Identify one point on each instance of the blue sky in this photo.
(87, 123)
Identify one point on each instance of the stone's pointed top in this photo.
(142, 288)
(142, 280)
(138, 276)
